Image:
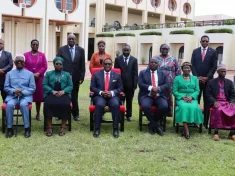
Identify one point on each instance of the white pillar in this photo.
(178, 19)
(162, 18)
(124, 16)
(86, 30)
(144, 17)
(100, 16)
(43, 39)
(63, 35)
(1, 24)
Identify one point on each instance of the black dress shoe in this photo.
(9, 133)
(129, 118)
(159, 131)
(115, 133)
(76, 118)
(187, 136)
(96, 133)
(151, 131)
(27, 133)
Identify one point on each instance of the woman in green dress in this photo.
(57, 87)
(186, 91)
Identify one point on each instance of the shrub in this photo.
(104, 35)
(222, 30)
(125, 34)
(229, 22)
(151, 33)
(190, 32)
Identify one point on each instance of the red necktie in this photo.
(153, 80)
(107, 81)
(203, 54)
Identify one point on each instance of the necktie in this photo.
(107, 81)
(203, 54)
(153, 80)
(71, 52)
(126, 60)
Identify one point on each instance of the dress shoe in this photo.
(128, 119)
(159, 131)
(76, 118)
(27, 133)
(232, 137)
(9, 133)
(187, 136)
(216, 137)
(96, 133)
(151, 131)
(115, 133)
(38, 118)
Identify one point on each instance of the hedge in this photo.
(125, 34)
(190, 32)
(104, 35)
(222, 30)
(151, 33)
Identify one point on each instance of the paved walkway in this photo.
(230, 74)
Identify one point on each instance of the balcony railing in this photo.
(108, 28)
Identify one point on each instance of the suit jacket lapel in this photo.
(102, 79)
(111, 80)
(68, 51)
(148, 77)
(207, 53)
(76, 53)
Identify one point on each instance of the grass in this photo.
(134, 153)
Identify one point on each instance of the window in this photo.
(137, 1)
(172, 5)
(219, 51)
(69, 5)
(187, 8)
(155, 3)
(59, 4)
(28, 2)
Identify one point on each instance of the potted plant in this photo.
(142, 60)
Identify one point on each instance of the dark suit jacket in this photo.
(6, 64)
(98, 83)
(129, 73)
(206, 68)
(76, 68)
(213, 90)
(144, 81)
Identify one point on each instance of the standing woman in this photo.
(36, 62)
(170, 66)
(98, 57)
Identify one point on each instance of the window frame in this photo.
(70, 3)
(61, 4)
(137, 1)
(154, 1)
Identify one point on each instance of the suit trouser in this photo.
(3, 93)
(74, 95)
(113, 104)
(23, 109)
(129, 94)
(206, 109)
(162, 109)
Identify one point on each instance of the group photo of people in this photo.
(195, 93)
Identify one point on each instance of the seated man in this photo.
(220, 95)
(153, 85)
(19, 87)
(106, 86)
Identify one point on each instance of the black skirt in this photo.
(57, 106)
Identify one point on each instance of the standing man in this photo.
(129, 74)
(74, 63)
(6, 65)
(204, 64)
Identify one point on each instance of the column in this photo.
(100, 16)
(63, 35)
(162, 18)
(144, 17)
(86, 30)
(124, 16)
(1, 25)
(178, 19)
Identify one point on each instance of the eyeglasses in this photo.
(58, 63)
(34, 44)
(19, 61)
(107, 63)
(205, 41)
(164, 48)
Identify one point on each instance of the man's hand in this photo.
(156, 90)
(106, 94)
(2, 72)
(216, 104)
(18, 92)
(204, 79)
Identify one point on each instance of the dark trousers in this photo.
(113, 104)
(206, 108)
(129, 93)
(162, 109)
(74, 95)
(3, 93)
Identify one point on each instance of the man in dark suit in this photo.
(129, 73)
(106, 86)
(74, 63)
(204, 64)
(6, 65)
(153, 86)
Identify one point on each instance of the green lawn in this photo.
(133, 153)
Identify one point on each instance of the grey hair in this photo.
(20, 55)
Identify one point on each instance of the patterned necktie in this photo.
(107, 81)
(71, 53)
(203, 54)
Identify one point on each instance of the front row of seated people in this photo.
(107, 85)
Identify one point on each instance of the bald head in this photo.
(1, 44)
(71, 39)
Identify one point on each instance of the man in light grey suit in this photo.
(6, 65)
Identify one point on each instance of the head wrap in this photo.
(20, 55)
(58, 59)
(221, 66)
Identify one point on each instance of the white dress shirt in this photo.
(202, 49)
(109, 82)
(73, 51)
(127, 59)
(0, 53)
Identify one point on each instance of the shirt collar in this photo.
(107, 72)
(0, 52)
(154, 71)
(72, 47)
(203, 48)
(127, 57)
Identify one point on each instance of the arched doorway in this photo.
(181, 55)
(219, 51)
(150, 52)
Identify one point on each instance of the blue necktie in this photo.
(71, 52)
